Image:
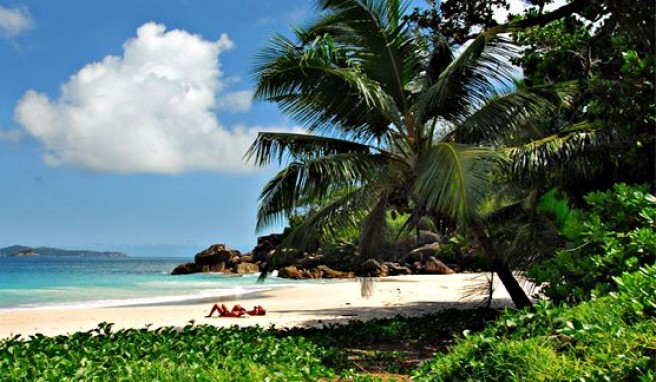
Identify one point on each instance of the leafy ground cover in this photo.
(385, 349)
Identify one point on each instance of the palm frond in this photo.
(505, 213)
(348, 210)
(470, 80)
(453, 179)
(374, 228)
(343, 17)
(511, 112)
(379, 40)
(562, 151)
(314, 181)
(533, 241)
(319, 86)
(276, 147)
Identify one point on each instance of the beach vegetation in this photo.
(596, 319)
(615, 234)
(382, 349)
(609, 338)
(167, 354)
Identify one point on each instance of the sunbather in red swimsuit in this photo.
(237, 311)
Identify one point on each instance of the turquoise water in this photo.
(56, 282)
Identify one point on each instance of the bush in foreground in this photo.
(612, 338)
(614, 236)
(195, 353)
(359, 351)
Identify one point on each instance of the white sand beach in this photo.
(311, 304)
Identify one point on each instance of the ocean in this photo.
(83, 282)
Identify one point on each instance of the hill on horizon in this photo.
(48, 251)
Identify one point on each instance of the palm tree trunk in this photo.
(516, 292)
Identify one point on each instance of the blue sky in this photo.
(122, 123)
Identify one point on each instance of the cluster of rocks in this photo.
(318, 272)
(218, 258)
(421, 258)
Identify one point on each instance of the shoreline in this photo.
(313, 304)
(136, 302)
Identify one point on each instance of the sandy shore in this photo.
(312, 304)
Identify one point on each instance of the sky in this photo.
(123, 123)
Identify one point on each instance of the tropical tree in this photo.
(391, 124)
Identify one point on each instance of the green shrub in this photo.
(616, 235)
(612, 338)
(195, 353)
(449, 253)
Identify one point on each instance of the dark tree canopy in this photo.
(607, 47)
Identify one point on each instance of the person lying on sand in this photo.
(237, 311)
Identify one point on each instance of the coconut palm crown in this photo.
(391, 124)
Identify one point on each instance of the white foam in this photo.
(156, 300)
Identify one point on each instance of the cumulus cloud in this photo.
(14, 21)
(150, 110)
(236, 102)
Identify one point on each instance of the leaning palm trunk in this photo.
(516, 292)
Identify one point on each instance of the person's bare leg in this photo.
(215, 308)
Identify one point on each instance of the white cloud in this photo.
(236, 102)
(14, 21)
(150, 110)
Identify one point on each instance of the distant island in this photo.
(24, 251)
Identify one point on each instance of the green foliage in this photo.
(557, 206)
(195, 353)
(608, 48)
(616, 235)
(437, 326)
(397, 227)
(207, 353)
(607, 339)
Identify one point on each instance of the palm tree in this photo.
(391, 125)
